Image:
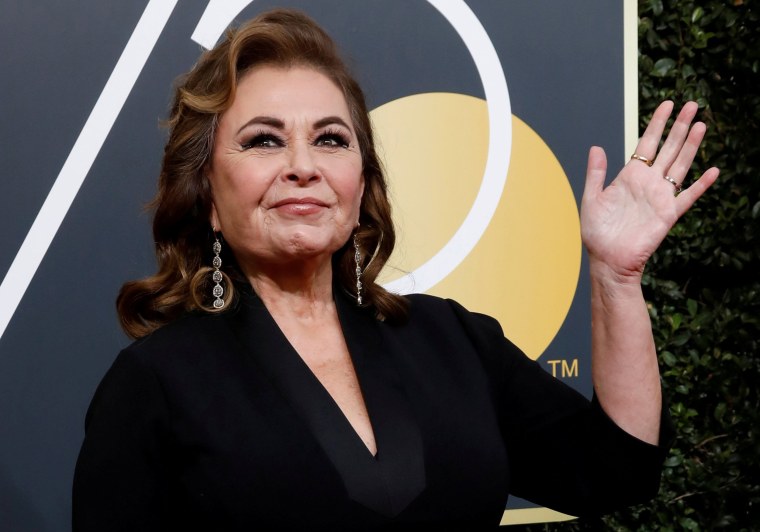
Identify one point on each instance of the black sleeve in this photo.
(564, 452)
(120, 478)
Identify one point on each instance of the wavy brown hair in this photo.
(181, 230)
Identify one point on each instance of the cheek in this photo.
(352, 200)
(245, 186)
(352, 186)
(359, 196)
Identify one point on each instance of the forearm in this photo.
(624, 361)
(622, 225)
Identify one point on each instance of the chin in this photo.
(307, 246)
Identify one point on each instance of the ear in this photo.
(361, 197)
(214, 218)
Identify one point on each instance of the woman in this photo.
(282, 388)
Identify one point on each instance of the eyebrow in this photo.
(265, 120)
(328, 120)
(279, 124)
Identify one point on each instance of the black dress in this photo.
(214, 422)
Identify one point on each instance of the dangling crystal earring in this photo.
(358, 260)
(216, 276)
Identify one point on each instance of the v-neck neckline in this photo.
(386, 482)
(318, 383)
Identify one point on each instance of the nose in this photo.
(302, 166)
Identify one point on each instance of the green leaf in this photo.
(683, 388)
(687, 71)
(663, 66)
(668, 358)
(681, 338)
(673, 461)
(720, 411)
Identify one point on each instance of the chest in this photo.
(324, 353)
(266, 441)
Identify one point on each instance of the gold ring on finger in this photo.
(643, 159)
(676, 184)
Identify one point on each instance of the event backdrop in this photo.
(485, 111)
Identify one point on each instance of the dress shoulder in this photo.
(565, 452)
(190, 331)
(497, 353)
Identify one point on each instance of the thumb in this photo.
(596, 171)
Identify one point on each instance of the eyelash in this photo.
(259, 139)
(337, 137)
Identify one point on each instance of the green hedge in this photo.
(703, 284)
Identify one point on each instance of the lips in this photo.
(300, 206)
(299, 201)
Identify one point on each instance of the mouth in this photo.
(300, 206)
(299, 201)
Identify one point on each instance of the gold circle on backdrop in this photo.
(524, 269)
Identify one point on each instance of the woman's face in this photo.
(286, 169)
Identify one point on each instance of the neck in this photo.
(300, 289)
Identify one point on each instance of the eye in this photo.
(262, 140)
(332, 139)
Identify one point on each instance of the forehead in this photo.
(294, 92)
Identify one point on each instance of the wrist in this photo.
(613, 279)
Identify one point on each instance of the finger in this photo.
(596, 172)
(650, 140)
(680, 168)
(686, 199)
(676, 137)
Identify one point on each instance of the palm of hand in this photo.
(624, 223)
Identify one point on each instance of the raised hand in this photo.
(624, 223)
